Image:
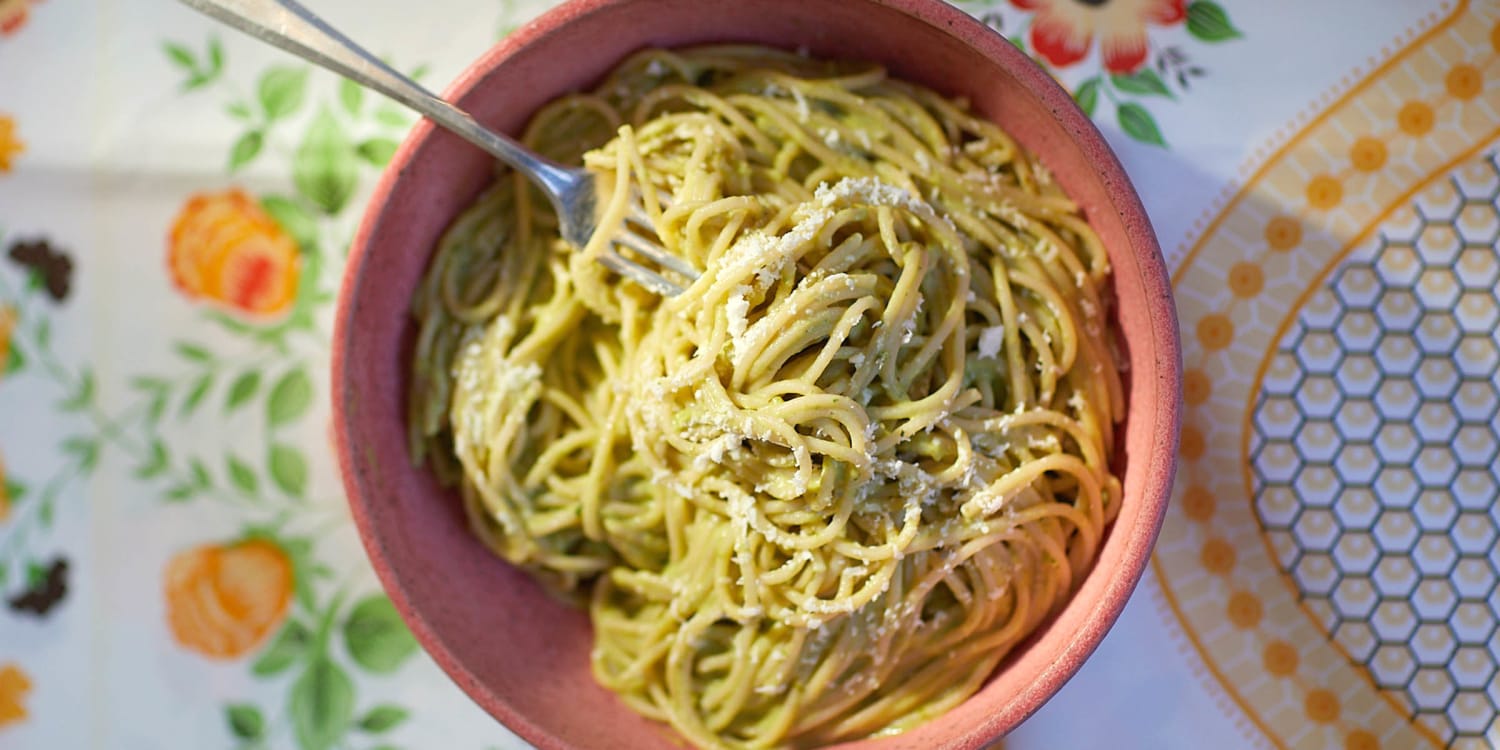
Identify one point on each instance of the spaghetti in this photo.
(819, 495)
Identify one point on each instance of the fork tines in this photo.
(637, 237)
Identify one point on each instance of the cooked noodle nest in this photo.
(820, 494)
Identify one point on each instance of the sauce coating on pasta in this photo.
(822, 493)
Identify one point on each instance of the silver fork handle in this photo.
(288, 25)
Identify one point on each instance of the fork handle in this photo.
(288, 25)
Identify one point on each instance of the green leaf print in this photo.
(83, 393)
(294, 219)
(215, 54)
(156, 407)
(281, 91)
(242, 390)
(321, 704)
(201, 479)
(351, 95)
(1139, 124)
(1209, 22)
(15, 361)
(180, 493)
(376, 637)
(246, 149)
(325, 169)
(290, 645)
(241, 475)
(85, 451)
(288, 469)
(156, 461)
(196, 394)
(290, 398)
(383, 719)
(245, 721)
(200, 72)
(240, 111)
(1144, 82)
(193, 352)
(1087, 95)
(181, 56)
(304, 570)
(378, 151)
(155, 391)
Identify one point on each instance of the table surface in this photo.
(1323, 179)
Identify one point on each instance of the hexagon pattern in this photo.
(1374, 459)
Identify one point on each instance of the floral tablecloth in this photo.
(177, 566)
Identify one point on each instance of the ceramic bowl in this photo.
(523, 656)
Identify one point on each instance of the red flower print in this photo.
(1063, 30)
(226, 249)
(13, 15)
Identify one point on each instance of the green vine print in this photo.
(32, 289)
(1125, 80)
(261, 269)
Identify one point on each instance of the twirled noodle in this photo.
(821, 494)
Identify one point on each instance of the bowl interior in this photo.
(525, 657)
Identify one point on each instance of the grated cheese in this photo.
(737, 308)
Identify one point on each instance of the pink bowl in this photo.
(523, 656)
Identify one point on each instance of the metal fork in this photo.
(573, 192)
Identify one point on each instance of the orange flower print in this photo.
(11, 145)
(13, 15)
(226, 249)
(223, 600)
(7, 329)
(1063, 30)
(14, 685)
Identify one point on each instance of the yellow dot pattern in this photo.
(1237, 585)
(1280, 658)
(1196, 387)
(1415, 119)
(1368, 154)
(1324, 192)
(1283, 233)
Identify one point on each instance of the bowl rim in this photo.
(1153, 277)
